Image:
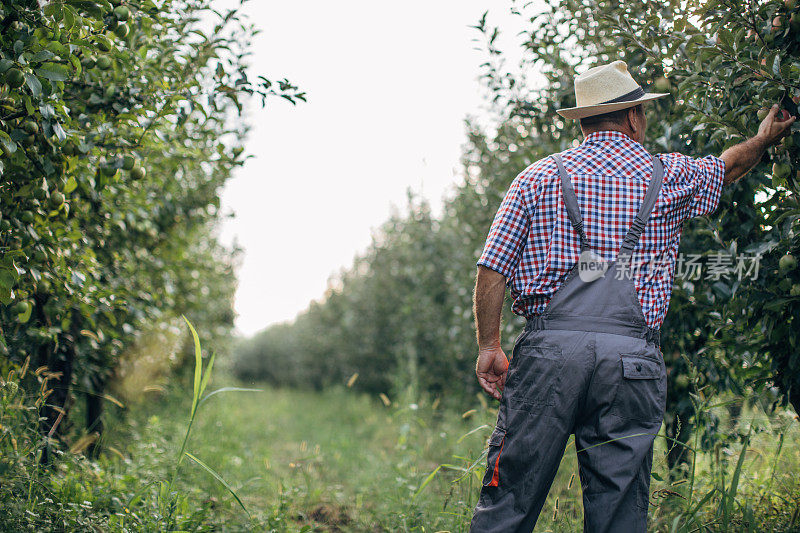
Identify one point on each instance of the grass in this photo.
(338, 461)
(319, 458)
(290, 460)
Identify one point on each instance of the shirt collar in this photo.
(608, 136)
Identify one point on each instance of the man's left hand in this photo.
(491, 370)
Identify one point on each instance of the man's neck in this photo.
(609, 129)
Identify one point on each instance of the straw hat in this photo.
(605, 89)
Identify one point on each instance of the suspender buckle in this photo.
(653, 335)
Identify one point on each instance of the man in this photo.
(586, 241)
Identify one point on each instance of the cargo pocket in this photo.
(531, 387)
(641, 394)
(492, 476)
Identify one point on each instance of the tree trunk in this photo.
(59, 361)
(56, 407)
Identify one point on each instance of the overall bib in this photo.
(590, 366)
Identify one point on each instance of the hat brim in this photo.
(599, 109)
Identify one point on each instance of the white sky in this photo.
(389, 86)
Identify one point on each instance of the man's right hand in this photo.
(740, 158)
(491, 370)
(770, 131)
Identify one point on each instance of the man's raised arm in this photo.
(744, 156)
(490, 290)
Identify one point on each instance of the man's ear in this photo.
(632, 119)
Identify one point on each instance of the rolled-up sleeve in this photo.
(508, 233)
(704, 176)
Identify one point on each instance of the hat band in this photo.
(633, 95)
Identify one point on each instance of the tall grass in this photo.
(200, 382)
(64, 496)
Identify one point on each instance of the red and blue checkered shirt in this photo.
(532, 242)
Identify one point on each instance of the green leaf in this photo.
(228, 389)
(59, 131)
(218, 478)
(427, 481)
(33, 84)
(76, 63)
(53, 72)
(207, 373)
(28, 104)
(69, 17)
(54, 9)
(70, 185)
(731, 495)
(198, 365)
(7, 278)
(42, 55)
(8, 142)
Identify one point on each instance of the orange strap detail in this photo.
(496, 473)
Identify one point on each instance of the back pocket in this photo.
(531, 385)
(641, 394)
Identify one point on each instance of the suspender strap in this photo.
(571, 203)
(635, 231)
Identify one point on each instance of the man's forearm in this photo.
(490, 290)
(739, 159)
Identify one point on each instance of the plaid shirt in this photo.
(532, 242)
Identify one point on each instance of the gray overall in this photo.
(590, 366)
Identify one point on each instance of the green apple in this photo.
(122, 13)
(14, 78)
(128, 162)
(662, 84)
(781, 171)
(137, 173)
(104, 62)
(20, 308)
(30, 127)
(787, 263)
(122, 30)
(56, 199)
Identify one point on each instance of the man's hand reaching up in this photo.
(741, 158)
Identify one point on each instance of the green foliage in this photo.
(119, 125)
(76, 496)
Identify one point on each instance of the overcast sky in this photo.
(389, 86)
